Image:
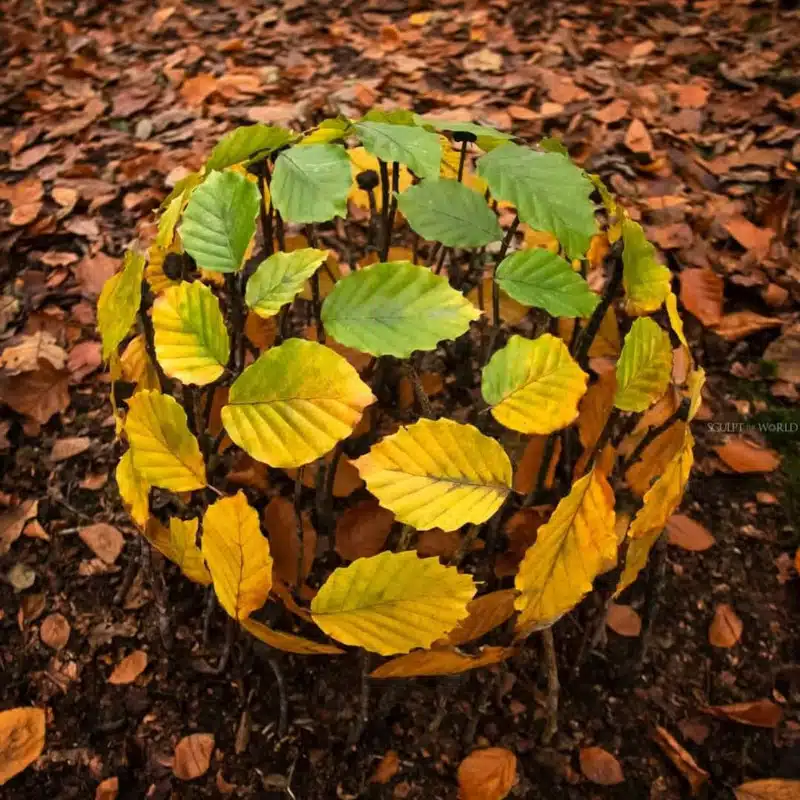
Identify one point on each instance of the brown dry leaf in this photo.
(38, 395)
(437, 542)
(284, 543)
(702, 294)
(688, 534)
(487, 774)
(94, 271)
(346, 481)
(13, 522)
(744, 456)
(31, 607)
(105, 541)
(637, 138)
(21, 740)
(691, 95)
(388, 767)
(69, 448)
(623, 620)
(740, 324)
(432, 384)
(107, 789)
(444, 661)
(600, 766)
(31, 351)
(484, 60)
(485, 614)
(758, 713)
(768, 789)
(613, 112)
(726, 627)
(521, 533)
(129, 669)
(679, 756)
(54, 631)
(195, 91)
(784, 353)
(91, 111)
(750, 236)
(528, 469)
(84, 359)
(193, 756)
(362, 530)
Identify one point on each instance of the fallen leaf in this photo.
(91, 111)
(195, 91)
(623, 620)
(784, 353)
(679, 756)
(758, 713)
(637, 138)
(38, 395)
(702, 294)
(54, 631)
(750, 236)
(740, 324)
(21, 576)
(388, 767)
(129, 669)
(691, 95)
(362, 530)
(487, 774)
(107, 789)
(193, 756)
(743, 456)
(768, 789)
(437, 542)
(726, 627)
(613, 112)
(13, 522)
(84, 359)
(484, 60)
(69, 448)
(31, 351)
(105, 541)
(94, 271)
(284, 543)
(600, 766)
(688, 534)
(21, 740)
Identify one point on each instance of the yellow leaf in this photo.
(191, 339)
(136, 365)
(169, 219)
(607, 341)
(449, 167)
(154, 271)
(361, 160)
(663, 498)
(185, 552)
(645, 280)
(570, 551)
(119, 302)
(164, 451)
(675, 320)
(134, 489)
(21, 740)
(238, 556)
(655, 458)
(544, 239)
(533, 386)
(392, 602)
(294, 403)
(485, 613)
(447, 661)
(644, 367)
(288, 642)
(437, 474)
(695, 383)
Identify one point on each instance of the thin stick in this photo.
(298, 518)
(462, 160)
(159, 589)
(587, 334)
(149, 335)
(385, 234)
(605, 435)
(363, 704)
(553, 685)
(544, 468)
(208, 613)
(266, 218)
(283, 699)
(227, 647)
(131, 570)
(500, 256)
(325, 496)
(466, 544)
(654, 589)
(419, 392)
(392, 211)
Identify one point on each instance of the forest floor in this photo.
(687, 110)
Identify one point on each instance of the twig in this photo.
(325, 496)
(298, 519)
(208, 613)
(131, 570)
(587, 334)
(230, 636)
(316, 303)
(149, 335)
(500, 256)
(266, 218)
(544, 468)
(654, 588)
(605, 435)
(553, 685)
(466, 543)
(404, 541)
(387, 240)
(462, 158)
(363, 704)
(283, 699)
(159, 589)
(419, 392)
(385, 233)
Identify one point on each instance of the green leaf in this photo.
(398, 116)
(279, 278)
(245, 142)
(119, 302)
(542, 279)
(644, 366)
(220, 221)
(487, 138)
(168, 220)
(416, 148)
(552, 144)
(449, 212)
(395, 308)
(549, 192)
(311, 183)
(645, 280)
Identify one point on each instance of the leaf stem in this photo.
(462, 160)
(385, 233)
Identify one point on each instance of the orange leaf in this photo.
(362, 530)
(288, 642)
(623, 620)
(485, 614)
(682, 760)
(446, 661)
(55, 631)
(758, 713)
(107, 789)
(768, 789)
(129, 669)
(389, 767)
(600, 767)
(688, 534)
(487, 774)
(702, 292)
(750, 236)
(284, 543)
(195, 91)
(105, 541)
(21, 740)
(637, 138)
(743, 456)
(193, 756)
(740, 324)
(726, 627)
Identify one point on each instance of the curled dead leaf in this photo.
(487, 774)
(681, 758)
(193, 756)
(129, 669)
(726, 627)
(54, 631)
(600, 766)
(758, 713)
(361, 531)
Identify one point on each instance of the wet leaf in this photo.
(129, 669)
(487, 774)
(600, 766)
(726, 627)
(193, 756)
